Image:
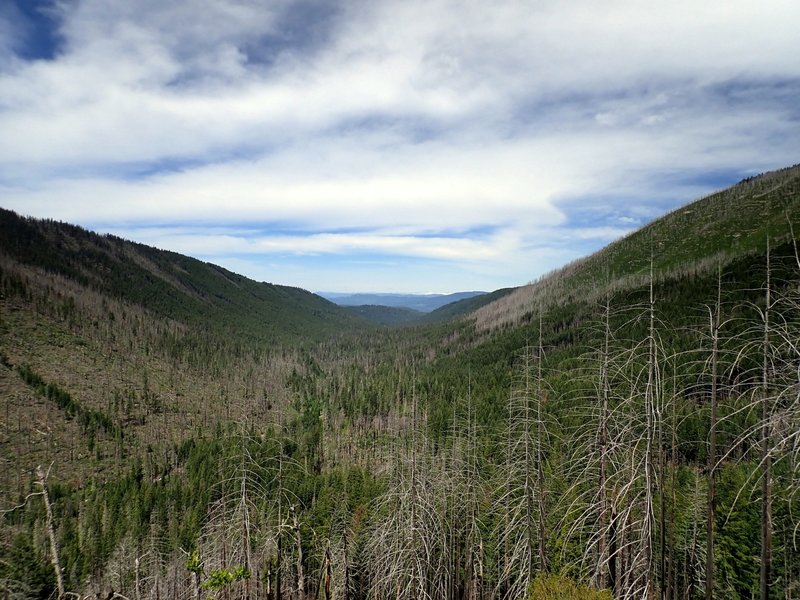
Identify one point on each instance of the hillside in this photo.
(169, 284)
(691, 239)
(465, 306)
(158, 344)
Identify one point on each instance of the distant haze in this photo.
(420, 302)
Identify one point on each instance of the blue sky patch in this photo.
(37, 26)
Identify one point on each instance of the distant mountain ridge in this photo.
(420, 302)
(393, 316)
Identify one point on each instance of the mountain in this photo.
(395, 316)
(169, 284)
(419, 302)
(117, 349)
(691, 239)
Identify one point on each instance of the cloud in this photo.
(435, 247)
(403, 129)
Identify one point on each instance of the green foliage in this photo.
(557, 587)
(199, 294)
(730, 223)
(385, 315)
(194, 564)
(221, 578)
(24, 572)
(463, 307)
(90, 420)
(738, 533)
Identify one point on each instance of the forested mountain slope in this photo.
(691, 239)
(112, 352)
(629, 423)
(169, 284)
(463, 307)
(627, 351)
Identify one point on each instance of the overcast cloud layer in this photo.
(411, 146)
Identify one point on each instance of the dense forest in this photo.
(625, 427)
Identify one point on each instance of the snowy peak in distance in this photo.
(420, 302)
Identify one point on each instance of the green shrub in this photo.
(557, 587)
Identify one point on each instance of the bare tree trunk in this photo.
(507, 516)
(529, 499)
(346, 589)
(650, 414)
(51, 532)
(662, 514)
(326, 574)
(766, 487)
(301, 590)
(712, 443)
(278, 564)
(613, 554)
(245, 520)
(671, 588)
(136, 592)
(472, 472)
(692, 553)
(195, 586)
(453, 561)
(540, 439)
(602, 542)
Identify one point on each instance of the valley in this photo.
(624, 427)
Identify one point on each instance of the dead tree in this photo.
(524, 536)
(714, 327)
(51, 531)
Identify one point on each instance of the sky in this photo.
(413, 146)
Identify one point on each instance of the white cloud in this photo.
(444, 248)
(410, 128)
